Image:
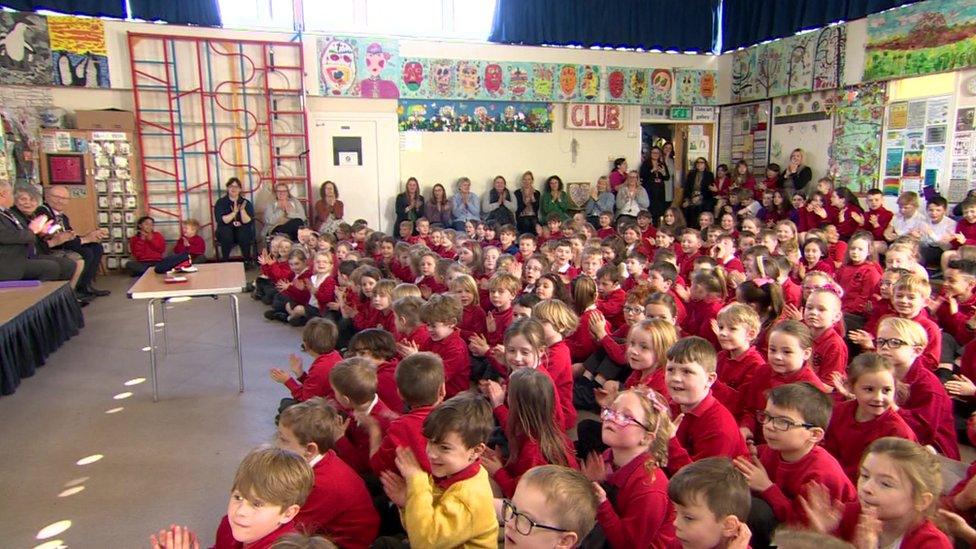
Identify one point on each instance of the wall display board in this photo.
(118, 205)
(474, 116)
(744, 134)
(962, 166)
(855, 152)
(916, 137)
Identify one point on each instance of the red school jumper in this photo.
(928, 411)
(529, 456)
(559, 366)
(472, 321)
(847, 438)
(829, 356)
(790, 481)
(859, 283)
(279, 270)
(955, 324)
(353, 447)
(225, 536)
(315, 382)
(924, 534)
(883, 216)
(734, 373)
(406, 430)
(147, 251)
(753, 393)
(457, 362)
(339, 506)
(503, 319)
(581, 342)
(641, 515)
(700, 316)
(612, 307)
(386, 387)
(707, 430)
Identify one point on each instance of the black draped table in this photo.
(34, 322)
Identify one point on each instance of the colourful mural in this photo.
(695, 87)
(474, 116)
(855, 153)
(25, 49)
(359, 67)
(78, 52)
(922, 38)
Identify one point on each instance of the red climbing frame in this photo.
(208, 110)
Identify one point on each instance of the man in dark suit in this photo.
(17, 242)
(56, 198)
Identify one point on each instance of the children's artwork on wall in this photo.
(803, 63)
(474, 116)
(494, 80)
(695, 87)
(617, 84)
(568, 82)
(25, 49)
(855, 153)
(442, 78)
(78, 52)
(359, 67)
(543, 75)
(589, 85)
(662, 82)
(638, 88)
(413, 78)
(468, 79)
(921, 38)
(517, 79)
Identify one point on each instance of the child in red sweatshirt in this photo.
(378, 347)
(707, 299)
(319, 339)
(737, 327)
(274, 267)
(821, 314)
(420, 380)
(871, 413)
(147, 247)
(859, 277)
(610, 296)
(191, 243)
(558, 320)
(441, 314)
(339, 506)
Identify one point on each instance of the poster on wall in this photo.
(474, 116)
(964, 119)
(744, 135)
(898, 116)
(78, 53)
(920, 136)
(855, 154)
(912, 164)
(25, 49)
(359, 67)
(802, 63)
(922, 38)
(893, 162)
(695, 87)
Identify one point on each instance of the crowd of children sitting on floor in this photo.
(753, 380)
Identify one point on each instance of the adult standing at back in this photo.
(409, 204)
(796, 176)
(498, 204)
(555, 201)
(618, 176)
(328, 209)
(285, 215)
(465, 204)
(654, 176)
(234, 218)
(698, 194)
(527, 200)
(673, 187)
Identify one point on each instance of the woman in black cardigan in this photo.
(527, 200)
(234, 218)
(409, 204)
(699, 192)
(654, 176)
(796, 177)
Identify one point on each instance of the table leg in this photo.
(235, 311)
(152, 348)
(162, 316)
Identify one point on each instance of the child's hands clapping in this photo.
(823, 514)
(840, 385)
(491, 461)
(282, 285)
(175, 537)
(606, 394)
(407, 463)
(598, 325)
(395, 488)
(960, 385)
(279, 375)
(295, 364)
(594, 468)
(407, 348)
(493, 391)
(861, 338)
(478, 345)
(498, 353)
(790, 312)
(754, 472)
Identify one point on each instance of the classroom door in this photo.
(346, 149)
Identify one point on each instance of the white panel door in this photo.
(367, 181)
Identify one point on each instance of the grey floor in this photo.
(172, 461)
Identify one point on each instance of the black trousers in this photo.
(289, 228)
(92, 254)
(229, 236)
(136, 268)
(526, 224)
(49, 268)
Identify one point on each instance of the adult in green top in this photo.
(555, 200)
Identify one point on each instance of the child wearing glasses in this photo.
(793, 424)
(553, 506)
(927, 408)
(870, 414)
(790, 347)
(629, 478)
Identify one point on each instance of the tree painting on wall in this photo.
(828, 58)
(769, 63)
(743, 74)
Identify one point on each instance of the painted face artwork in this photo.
(376, 59)
(615, 81)
(413, 75)
(443, 76)
(518, 81)
(468, 78)
(567, 80)
(542, 81)
(493, 79)
(661, 80)
(591, 82)
(338, 67)
(638, 84)
(707, 85)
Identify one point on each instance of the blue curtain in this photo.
(97, 8)
(749, 22)
(205, 13)
(689, 25)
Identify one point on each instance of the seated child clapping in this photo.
(318, 340)
(552, 505)
(298, 262)
(354, 383)
(453, 505)
(339, 505)
(712, 501)
(871, 413)
(793, 424)
(274, 267)
(634, 507)
(317, 295)
(378, 347)
(410, 331)
(441, 315)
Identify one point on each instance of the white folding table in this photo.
(211, 280)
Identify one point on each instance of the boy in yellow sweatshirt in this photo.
(453, 506)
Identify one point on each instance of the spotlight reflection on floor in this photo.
(54, 529)
(53, 544)
(122, 396)
(89, 459)
(71, 491)
(115, 410)
(75, 482)
(134, 381)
